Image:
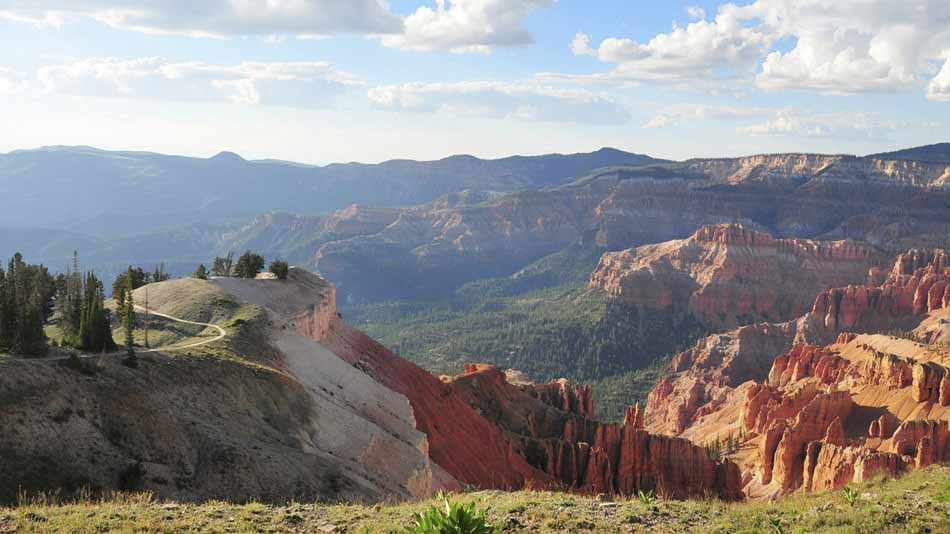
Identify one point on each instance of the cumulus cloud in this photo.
(826, 46)
(939, 87)
(853, 46)
(522, 101)
(297, 84)
(454, 25)
(701, 50)
(580, 46)
(214, 18)
(467, 25)
(696, 12)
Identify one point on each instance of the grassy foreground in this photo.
(919, 502)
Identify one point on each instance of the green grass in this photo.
(916, 503)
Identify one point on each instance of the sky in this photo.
(321, 81)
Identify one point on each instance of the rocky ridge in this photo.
(730, 274)
(825, 412)
(556, 435)
(889, 204)
(706, 375)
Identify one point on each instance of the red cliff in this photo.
(729, 274)
(591, 456)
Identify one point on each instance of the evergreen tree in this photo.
(223, 266)
(129, 319)
(7, 319)
(279, 269)
(249, 265)
(160, 275)
(70, 303)
(138, 276)
(217, 267)
(26, 300)
(95, 330)
(202, 272)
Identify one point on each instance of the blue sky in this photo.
(364, 80)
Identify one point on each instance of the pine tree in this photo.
(6, 325)
(249, 265)
(129, 319)
(201, 273)
(96, 333)
(160, 275)
(26, 300)
(279, 269)
(223, 266)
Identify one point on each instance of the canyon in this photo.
(828, 398)
(890, 205)
(316, 409)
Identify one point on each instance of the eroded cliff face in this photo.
(786, 169)
(557, 436)
(890, 204)
(728, 275)
(704, 377)
(918, 283)
(826, 412)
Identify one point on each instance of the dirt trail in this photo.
(221, 335)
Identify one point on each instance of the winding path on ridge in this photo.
(221, 331)
(221, 335)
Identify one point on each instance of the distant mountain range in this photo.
(406, 225)
(113, 194)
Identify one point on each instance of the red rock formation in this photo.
(879, 428)
(633, 417)
(927, 380)
(715, 364)
(728, 274)
(804, 361)
(918, 283)
(588, 455)
(812, 423)
(932, 437)
(829, 466)
(463, 442)
(798, 413)
(570, 398)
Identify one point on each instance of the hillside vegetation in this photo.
(917, 503)
(544, 321)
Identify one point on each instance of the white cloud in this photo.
(522, 101)
(696, 12)
(853, 46)
(703, 50)
(296, 84)
(467, 25)
(939, 88)
(580, 46)
(826, 46)
(214, 18)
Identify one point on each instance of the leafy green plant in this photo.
(646, 497)
(454, 518)
(850, 495)
(775, 525)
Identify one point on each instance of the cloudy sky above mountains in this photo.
(366, 80)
